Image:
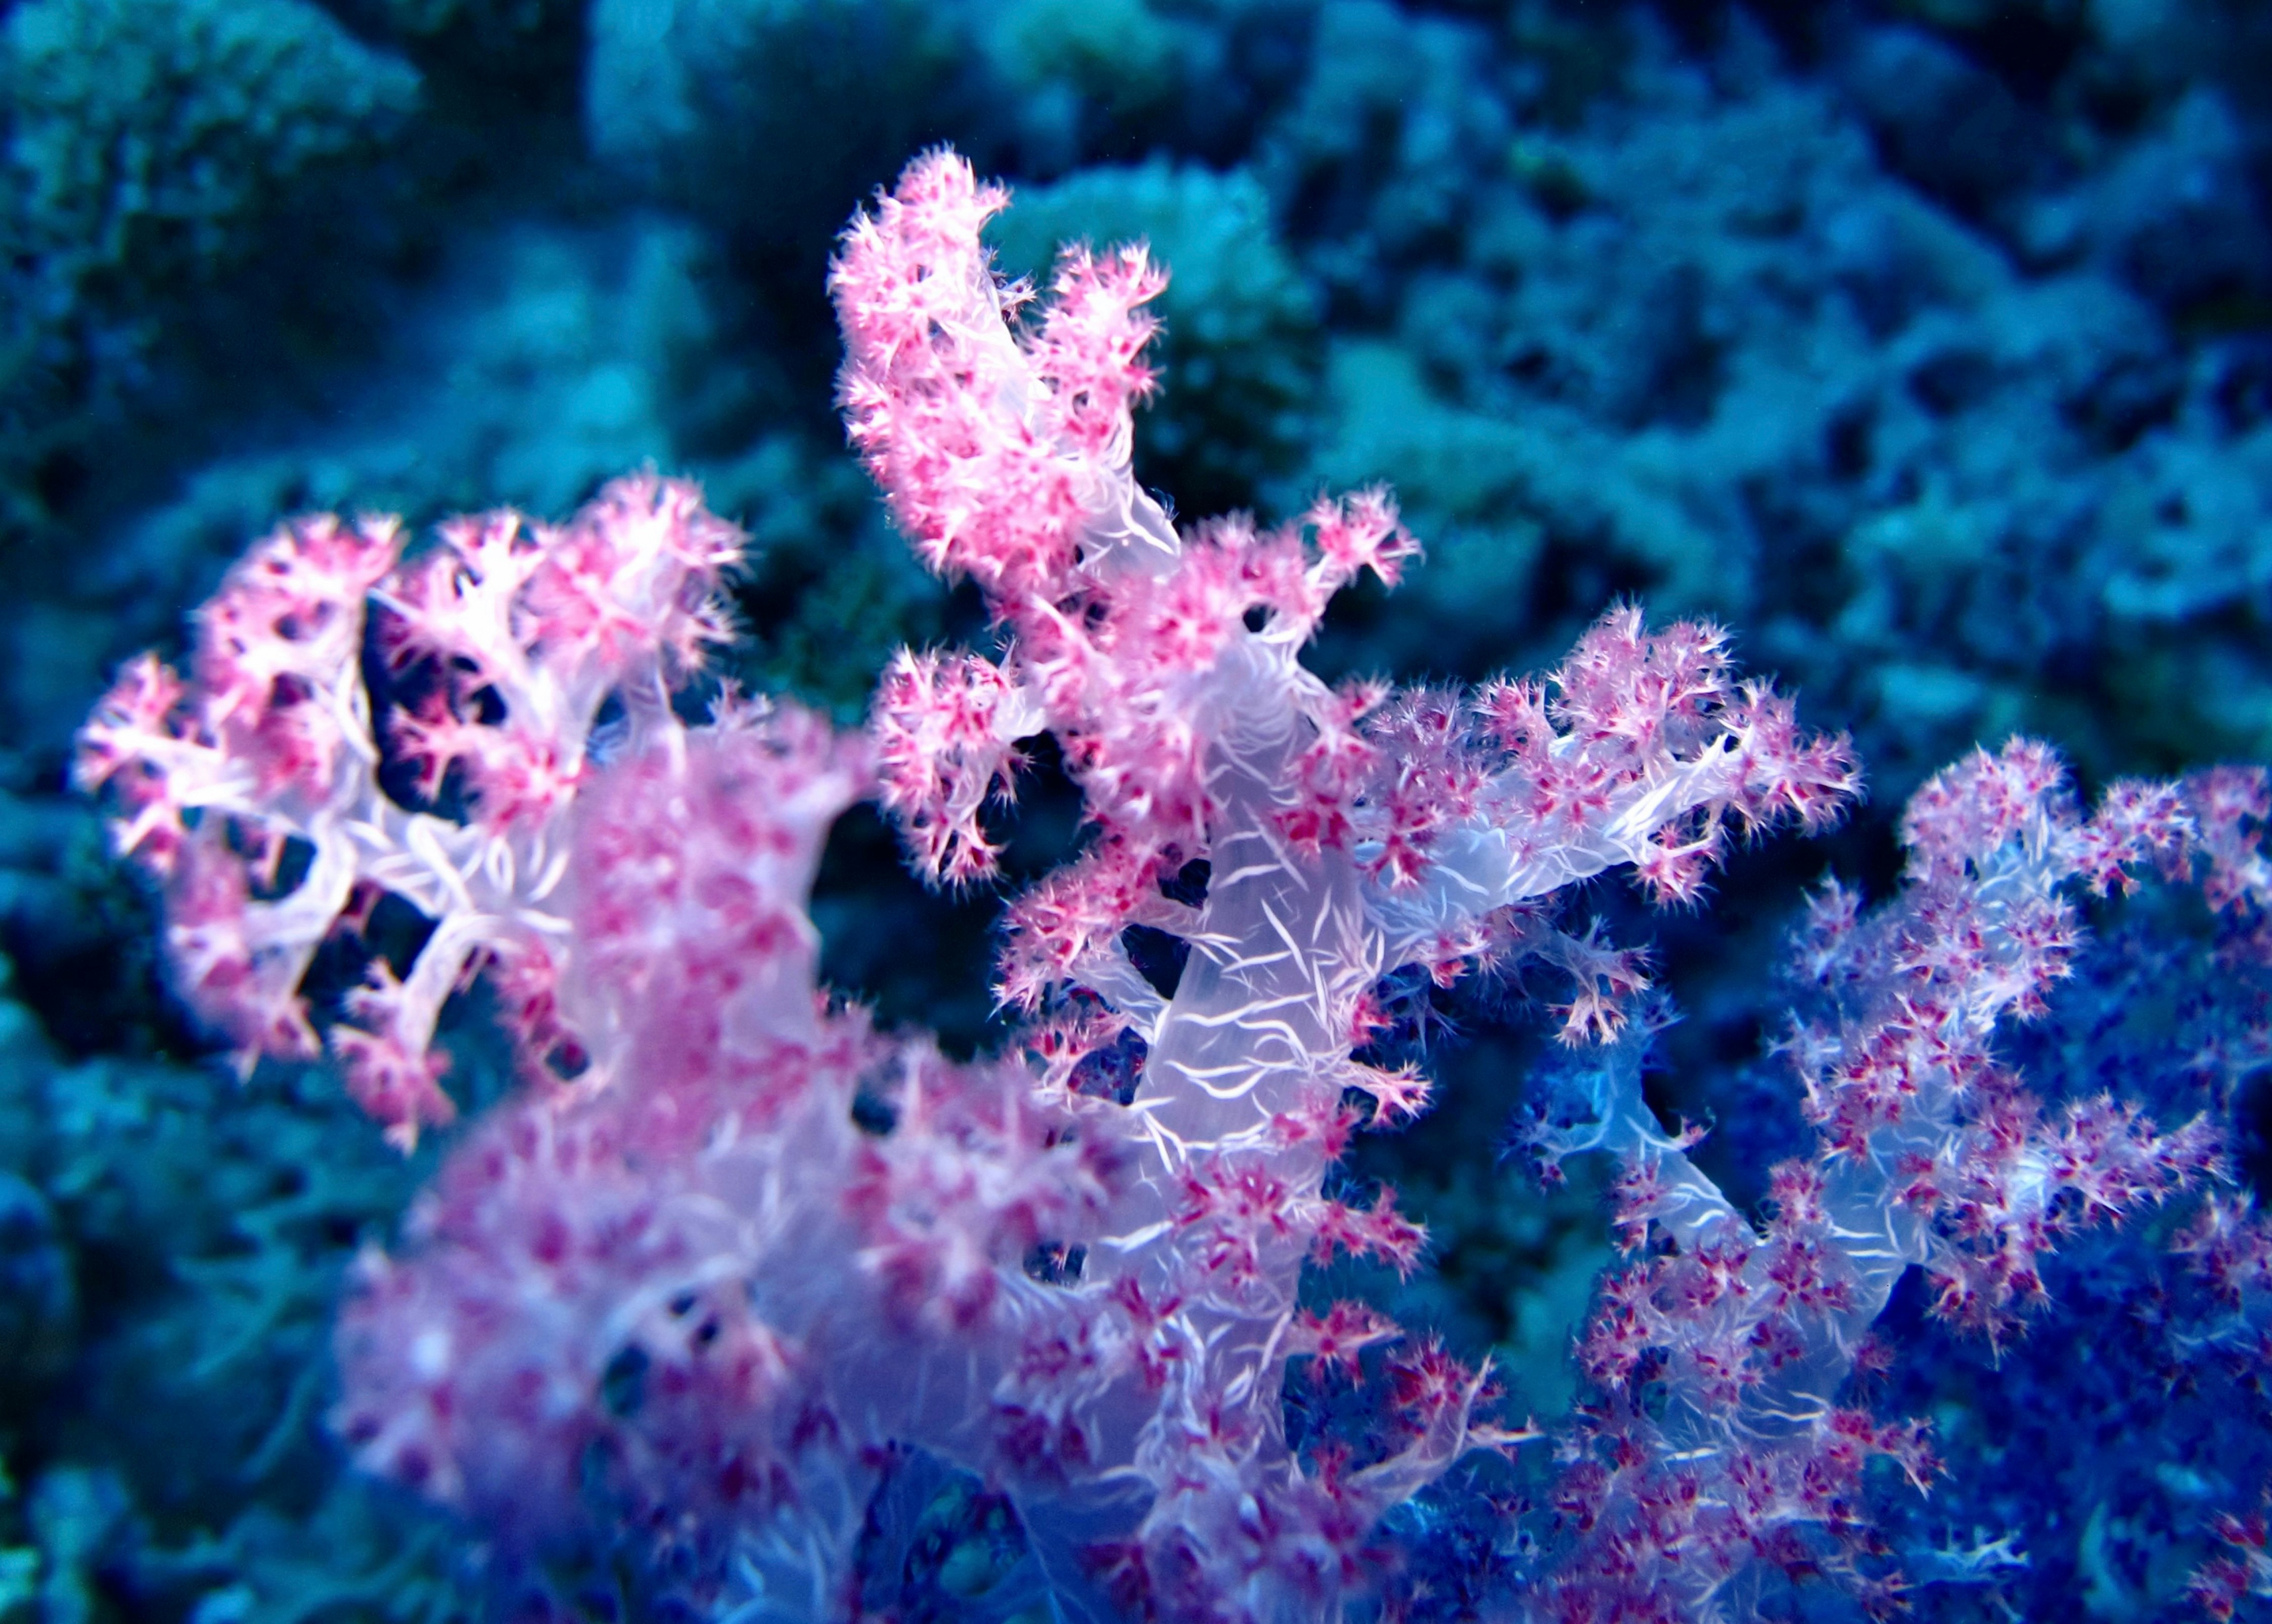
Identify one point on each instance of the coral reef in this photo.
(153, 147)
(1928, 343)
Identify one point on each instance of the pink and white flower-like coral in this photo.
(1930, 1152)
(762, 1251)
(1342, 834)
(269, 758)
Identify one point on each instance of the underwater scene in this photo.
(1071, 810)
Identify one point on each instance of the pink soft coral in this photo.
(694, 1288)
(270, 753)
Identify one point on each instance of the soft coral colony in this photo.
(735, 1258)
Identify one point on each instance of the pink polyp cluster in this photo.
(992, 446)
(271, 755)
(1929, 1152)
